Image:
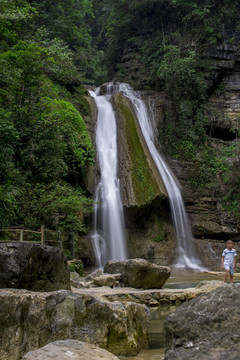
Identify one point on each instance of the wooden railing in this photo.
(58, 241)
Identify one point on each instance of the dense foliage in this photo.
(45, 148)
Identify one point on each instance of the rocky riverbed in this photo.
(98, 310)
(151, 297)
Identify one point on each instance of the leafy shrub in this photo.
(76, 266)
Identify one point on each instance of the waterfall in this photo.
(186, 254)
(108, 236)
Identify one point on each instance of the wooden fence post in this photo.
(43, 234)
(72, 245)
(21, 235)
(60, 240)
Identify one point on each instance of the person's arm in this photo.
(222, 261)
(234, 261)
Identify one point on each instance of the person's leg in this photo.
(231, 274)
(227, 271)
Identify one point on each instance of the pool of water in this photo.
(152, 354)
(156, 337)
(192, 280)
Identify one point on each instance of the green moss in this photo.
(144, 185)
(141, 338)
(118, 343)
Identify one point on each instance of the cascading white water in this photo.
(186, 256)
(108, 237)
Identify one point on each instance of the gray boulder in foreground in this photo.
(206, 328)
(25, 265)
(139, 273)
(67, 349)
(30, 320)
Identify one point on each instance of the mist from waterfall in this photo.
(187, 257)
(108, 236)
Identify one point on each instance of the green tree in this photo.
(181, 74)
(66, 19)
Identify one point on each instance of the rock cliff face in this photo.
(226, 104)
(211, 224)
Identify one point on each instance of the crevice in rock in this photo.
(220, 236)
(225, 134)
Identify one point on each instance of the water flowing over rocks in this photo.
(206, 327)
(139, 273)
(30, 320)
(25, 265)
(65, 349)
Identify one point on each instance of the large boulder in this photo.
(139, 273)
(25, 265)
(30, 320)
(105, 280)
(65, 349)
(206, 327)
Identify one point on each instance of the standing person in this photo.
(229, 259)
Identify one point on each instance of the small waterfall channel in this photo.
(108, 236)
(187, 257)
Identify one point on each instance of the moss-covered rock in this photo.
(140, 181)
(30, 320)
